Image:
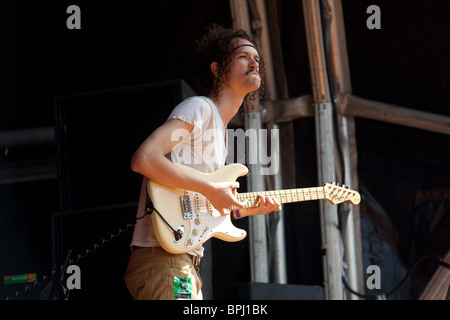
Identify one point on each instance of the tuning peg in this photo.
(333, 183)
(344, 186)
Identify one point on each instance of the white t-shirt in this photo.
(205, 149)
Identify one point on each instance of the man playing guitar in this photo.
(230, 71)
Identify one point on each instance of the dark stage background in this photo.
(105, 87)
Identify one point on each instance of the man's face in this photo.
(244, 68)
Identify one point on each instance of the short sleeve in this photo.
(195, 111)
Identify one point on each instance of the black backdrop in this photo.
(403, 172)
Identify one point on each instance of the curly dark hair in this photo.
(215, 46)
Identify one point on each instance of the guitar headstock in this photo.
(338, 194)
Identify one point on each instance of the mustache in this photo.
(252, 71)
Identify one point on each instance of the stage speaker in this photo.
(97, 134)
(274, 291)
(99, 241)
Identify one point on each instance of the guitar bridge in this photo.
(186, 207)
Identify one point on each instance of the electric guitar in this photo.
(183, 220)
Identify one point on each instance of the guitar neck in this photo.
(283, 196)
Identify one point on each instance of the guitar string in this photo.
(284, 196)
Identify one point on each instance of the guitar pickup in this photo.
(186, 207)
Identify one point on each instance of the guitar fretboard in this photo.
(283, 196)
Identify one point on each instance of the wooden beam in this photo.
(332, 264)
(347, 166)
(259, 269)
(353, 106)
(281, 111)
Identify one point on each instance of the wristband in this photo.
(237, 214)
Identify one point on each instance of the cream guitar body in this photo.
(183, 220)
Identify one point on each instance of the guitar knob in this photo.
(189, 242)
(195, 232)
(198, 221)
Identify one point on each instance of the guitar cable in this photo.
(149, 208)
(55, 274)
(406, 277)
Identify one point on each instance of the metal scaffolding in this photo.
(323, 112)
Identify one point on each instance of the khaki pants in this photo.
(155, 274)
